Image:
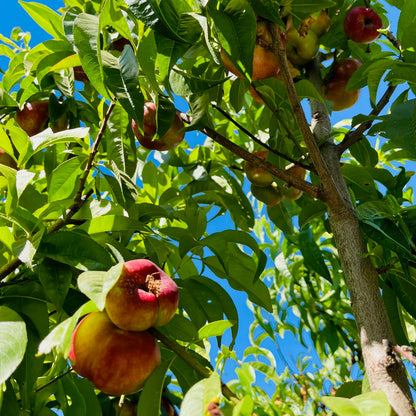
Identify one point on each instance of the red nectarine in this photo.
(143, 296)
(116, 361)
(146, 138)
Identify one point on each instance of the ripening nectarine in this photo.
(256, 174)
(33, 117)
(116, 361)
(143, 296)
(147, 139)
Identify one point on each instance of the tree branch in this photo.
(353, 136)
(305, 186)
(79, 199)
(330, 190)
(405, 351)
(384, 368)
(255, 139)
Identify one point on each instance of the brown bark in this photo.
(384, 368)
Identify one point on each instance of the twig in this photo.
(405, 351)
(354, 136)
(14, 282)
(389, 35)
(387, 267)
(184, 354)
(255, 139)
(53, 380)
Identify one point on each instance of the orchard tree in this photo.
(156, 157)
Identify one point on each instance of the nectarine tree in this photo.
(134, 234)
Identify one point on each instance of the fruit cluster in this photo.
(361, 25)
(112, 347)
(302, 45)
(263, 186)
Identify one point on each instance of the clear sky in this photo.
(13, 15)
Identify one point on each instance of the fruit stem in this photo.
(184, 354)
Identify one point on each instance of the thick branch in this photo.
(384, 368)
(330, 189)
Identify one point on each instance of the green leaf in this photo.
(164, 19)
(112, 223)
(45, 17)
(364, 153)
(87, 45)
(96, 284)
(64, 180)
(112, 16)
(342, 406)
(399, 128)
(214, 329)
(349, 389)
(55, 279)
(181, 328)
(199, 395)
(360, 180)
(309, 6)
(76, 249)
(281, 218)
(306, 89)
(60, 336)
(311, 210)
(13, 342)
(236, 27)
(395, 314)
(244, 407)
(48, 138)
(312, 254)
(122, 78)
(77, 402)
(269, 9)
(150, 396)
(374, 403)
(241, 275)
(218, 243)
(212, 303)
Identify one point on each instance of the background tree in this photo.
(322, 230)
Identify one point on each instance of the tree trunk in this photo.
(384, 368)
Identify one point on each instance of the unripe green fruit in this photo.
(269, 195)
(257, 175)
